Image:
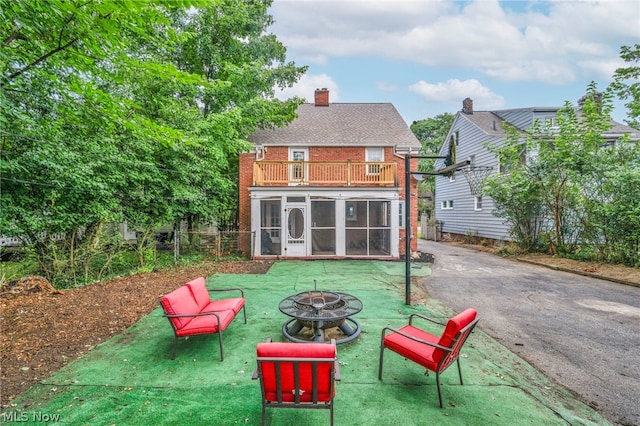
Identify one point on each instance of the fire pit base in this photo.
(300, 332)
(316, 313)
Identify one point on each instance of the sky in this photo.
(426, 56)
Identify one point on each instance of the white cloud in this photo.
(306, 86)
(554, 42)
(454, 91)
(386, 87)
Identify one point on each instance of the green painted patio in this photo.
(131, 378)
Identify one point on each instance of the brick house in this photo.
(328, 185)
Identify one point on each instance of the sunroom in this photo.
(303, 222)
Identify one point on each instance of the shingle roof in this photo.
(490, 122)
(487, 121)
(342, 124)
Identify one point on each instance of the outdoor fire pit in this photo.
(315, 311)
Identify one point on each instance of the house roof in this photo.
(342, 124)
(490, 122)
(621, 129)
(487, 121)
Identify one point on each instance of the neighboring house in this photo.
(458, 210)
(331, 184)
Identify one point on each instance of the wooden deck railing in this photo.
(350, 173)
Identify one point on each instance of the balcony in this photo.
(315, 173)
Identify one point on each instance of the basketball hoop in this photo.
(475, 176)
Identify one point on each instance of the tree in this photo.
(585, 188)
(516, 196)
(107, 116)
(430, 132)
(626, 84)
(229, 42)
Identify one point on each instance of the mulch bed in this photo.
(43, 331)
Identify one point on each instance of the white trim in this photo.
(298, 174)
(339, 196)
(477, 203)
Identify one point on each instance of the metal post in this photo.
(407, 209)
(407, 216)
(407, 227)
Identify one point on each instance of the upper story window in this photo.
(374, 155)
(298, 172)
(550, 121)
(507, 165)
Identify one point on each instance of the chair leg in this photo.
(331, 415)
(459, 370)
(263, 413)
(220, 341)
(380, 365)
(438, 386)
(244, 311)
(175, 346)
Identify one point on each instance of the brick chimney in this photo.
(322, 97)
(467, 106)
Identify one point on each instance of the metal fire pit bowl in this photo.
(317, 311)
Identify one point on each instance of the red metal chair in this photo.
(297, 375)
(435, 353)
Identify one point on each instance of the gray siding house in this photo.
(458, 210)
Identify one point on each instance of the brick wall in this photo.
(278, 153)
(244, 204)
(414, 204)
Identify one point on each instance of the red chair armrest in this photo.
(415, 339)
(199, 314)
(426, 318)
(212, 290)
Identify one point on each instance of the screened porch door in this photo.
(296, 238)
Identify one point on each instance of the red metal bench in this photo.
(191, 311)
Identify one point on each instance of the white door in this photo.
(296, 229)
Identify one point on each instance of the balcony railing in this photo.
(350, 173)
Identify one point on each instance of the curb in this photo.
(584, 273)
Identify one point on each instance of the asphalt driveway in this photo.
(582, 332)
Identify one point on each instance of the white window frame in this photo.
(477, 203)
(371, 155)
(298, 173)
(446, 205)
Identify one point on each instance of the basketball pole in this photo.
(407, 209)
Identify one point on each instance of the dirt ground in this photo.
(42, 331)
